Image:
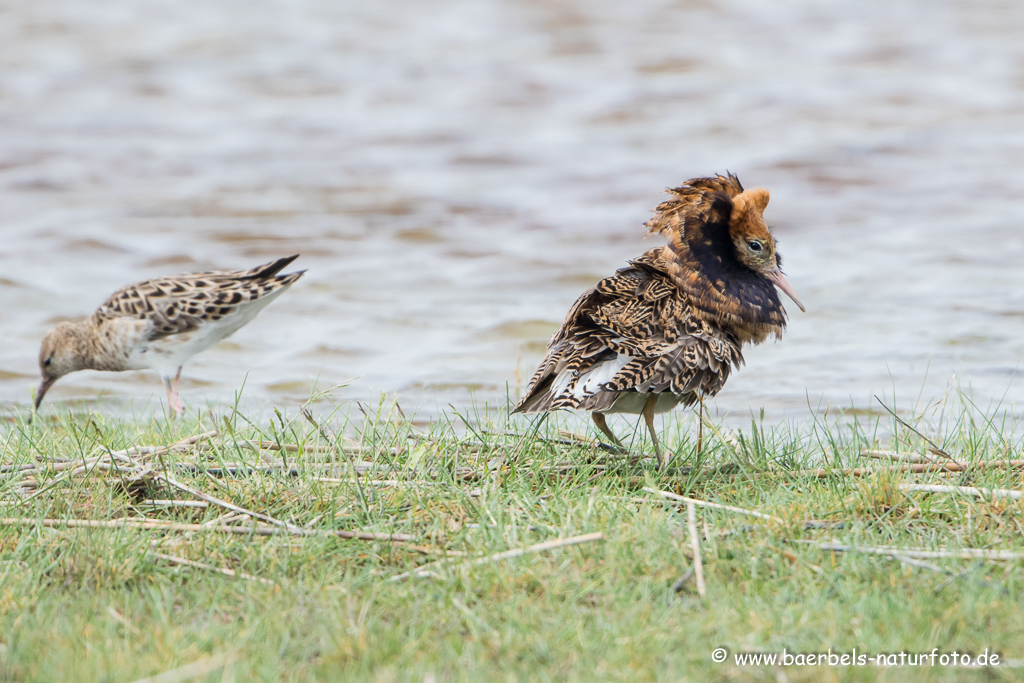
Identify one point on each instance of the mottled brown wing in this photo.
(181, 303)
(638, 313)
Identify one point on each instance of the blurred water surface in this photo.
(455, 173)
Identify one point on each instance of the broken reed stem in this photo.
(378, 482)
(966, 490)
(226, 518)
(274, 446)
(918, 467)
(4, 469)
(935, 448)
(134, 451)
(792, 557)
(160, 476)
(326, 434)
(198, 668)
(718, 506)
(195, 438)
(176, 503)
(963, 553)
(574, 438)
(918, 563)
(156, 525)
(82, 466)
(63, 476)
(698, 565)
(425, 570)
(209, 567)
(898, 457)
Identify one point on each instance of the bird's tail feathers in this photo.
(269, 270)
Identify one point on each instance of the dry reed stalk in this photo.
(792, 557)
(5, 469)
(119, 618)
(160, 476)
(910, 562)
(569, 468)
(933, 447)
(718, 506)
(698, 564)
(274, 446)
(176, 503)
(74, 465)
(194, 670)
(194, 439)
(177, 446)
(898, 457)
(425, 570)
(227, 518)
(963, 553)
(76, 468)
(578, 438)
(209, 567)
(966, 490)
(378, 482)
(157, 525)
(916, 468)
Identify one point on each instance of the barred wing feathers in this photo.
(633, 332)
(182, 303)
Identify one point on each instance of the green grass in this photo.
(98, 604)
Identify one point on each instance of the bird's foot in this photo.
(175, 403)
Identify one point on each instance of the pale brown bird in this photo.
(161, 323)
(670, 328)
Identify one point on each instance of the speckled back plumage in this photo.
(673, 323)
(181, 303)
(161, 323)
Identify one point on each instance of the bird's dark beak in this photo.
(43, 388)
(776, 276)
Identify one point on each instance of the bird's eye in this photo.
(754, 245)
(46, 363)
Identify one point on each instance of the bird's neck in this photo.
(724, 292)
(92, 348)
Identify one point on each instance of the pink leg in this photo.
(649, 419)
(173, 400)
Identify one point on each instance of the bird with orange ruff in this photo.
(670, 328)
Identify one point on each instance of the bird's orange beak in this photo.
(43, 388)
(776, 276)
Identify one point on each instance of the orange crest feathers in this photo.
(748, 209)
(756, 199)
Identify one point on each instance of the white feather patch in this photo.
(562, 379)
(591, 381)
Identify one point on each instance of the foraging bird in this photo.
(670, 328)
(161, 323)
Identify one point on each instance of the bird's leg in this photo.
(180, 407)
(173, 400)
(169, 390)
(649, 419)
(603, 426)
(700, 425)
